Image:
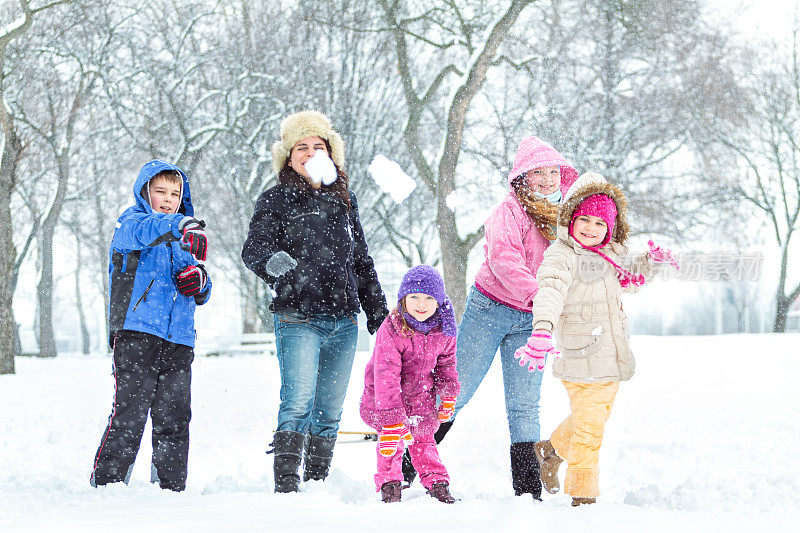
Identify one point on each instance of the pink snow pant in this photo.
(424, 457)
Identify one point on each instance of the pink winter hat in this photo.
(535, 153)
(600, 206)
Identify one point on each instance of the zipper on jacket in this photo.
(143, 297)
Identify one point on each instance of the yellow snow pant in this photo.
(578, 438)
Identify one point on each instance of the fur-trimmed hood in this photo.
(304, 124)
(586, 185)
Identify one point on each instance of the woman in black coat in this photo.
(306, 241)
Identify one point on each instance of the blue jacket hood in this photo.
(146, 174)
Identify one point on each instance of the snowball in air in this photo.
(391, 178)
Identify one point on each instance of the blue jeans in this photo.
(315, 354)
(486, 326)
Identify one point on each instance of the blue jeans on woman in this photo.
(486, 326)
(315, 354)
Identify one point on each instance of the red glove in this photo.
(662, 255)
(446, 408)
(389, 438)
(192, 280)
(193, 238)
(534, 353)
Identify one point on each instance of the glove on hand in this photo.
(389, 439)
(446, 408)
(374, 322)
(194, 239)
(192, 280)
(279, 264)
(534, 353)
(626, 279)
(662, 255)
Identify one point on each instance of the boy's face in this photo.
(165, 196)
(589, 230)
(421, 306)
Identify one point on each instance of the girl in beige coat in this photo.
(581, 279)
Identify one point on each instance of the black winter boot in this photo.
(318, 456)
(409, 472)
(525, 470)
(288, 452)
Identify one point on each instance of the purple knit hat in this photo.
(426, 280)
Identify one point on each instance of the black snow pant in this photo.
(151, 375)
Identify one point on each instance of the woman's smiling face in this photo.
(304, 150)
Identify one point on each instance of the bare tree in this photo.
(64, 71)
(464, 40)
(11, 147)
(763, 164)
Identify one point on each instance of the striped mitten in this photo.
(389, 439)
(447, 408)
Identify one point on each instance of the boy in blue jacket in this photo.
(155, 284)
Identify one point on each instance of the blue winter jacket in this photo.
(144, 258)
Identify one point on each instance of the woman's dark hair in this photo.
(339, 188)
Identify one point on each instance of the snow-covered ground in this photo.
(705, 437)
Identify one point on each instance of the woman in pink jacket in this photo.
(414, 362)
(498, 310)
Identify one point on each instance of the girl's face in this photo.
(589, 230)
(304, 150)
(421, 306)
(544, 180)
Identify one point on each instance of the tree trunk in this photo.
(251, 323)
(781, 312)
(454, 258)
(84, 331)
(44, 290)
(44, 293)
(12, 147)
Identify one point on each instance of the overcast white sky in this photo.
(768, 19)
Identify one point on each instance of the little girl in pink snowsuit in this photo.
(414, 362)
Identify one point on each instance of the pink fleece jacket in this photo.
(514, 247)
(406, 372)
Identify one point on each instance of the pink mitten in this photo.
(626, 279)
(389, 438)
(662, 255)
(534, 353)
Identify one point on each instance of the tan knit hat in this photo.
(301, 125)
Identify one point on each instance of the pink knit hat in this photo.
(600, 206)
(535, 153)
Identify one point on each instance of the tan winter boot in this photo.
(583, 501)
(549, 462)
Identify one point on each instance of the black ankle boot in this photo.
(409, 472)
(318, 457)
(525, 470)
(288, 452)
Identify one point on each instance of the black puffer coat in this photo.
(334, 274)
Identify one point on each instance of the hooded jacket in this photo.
(579, 294)
(514, 246)
(144, 259)
(335, 274)
(408, 369)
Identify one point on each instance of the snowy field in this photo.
(705, 437)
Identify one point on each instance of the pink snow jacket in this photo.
(514, 247)
(407, 371)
